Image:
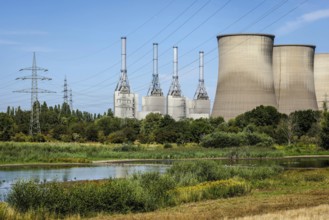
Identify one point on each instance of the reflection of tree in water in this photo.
(66, 175)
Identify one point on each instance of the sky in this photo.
(80, 40)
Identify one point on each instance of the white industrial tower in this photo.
(155, 89)
(174, 89)
(154, 101)
(201, 92)
(35, 109)
(199, 107)
(125, 102)
(176, 103)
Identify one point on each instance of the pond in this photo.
(9, 175)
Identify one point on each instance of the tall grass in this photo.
(12, 152)
(193, 172)
(184, 182)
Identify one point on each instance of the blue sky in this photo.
(80, 39)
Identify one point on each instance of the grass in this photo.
(320, 212)
(16, 152)
(139, 193)
(291, 189)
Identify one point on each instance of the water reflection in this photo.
(10, 175)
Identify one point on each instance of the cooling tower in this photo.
(245, 75)
(321, 78)
(294, 77)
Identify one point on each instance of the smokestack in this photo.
(201, 65)
(176, 62)
(175, 87)
(123, 55)
(155, 59)
(123, 84)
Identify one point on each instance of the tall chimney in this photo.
(123, 55)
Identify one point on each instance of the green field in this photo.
(203, 189)
(18, 153)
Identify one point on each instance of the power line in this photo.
(35, 110)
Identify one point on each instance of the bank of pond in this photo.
(59, 192)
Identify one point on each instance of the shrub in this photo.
(314, 177)
(210, 190)
(223, 139)
(167, 146)
(127, 148)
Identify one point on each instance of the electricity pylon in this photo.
(35, 109)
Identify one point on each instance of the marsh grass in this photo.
(183, 182)
(281, 191)
(14, 152)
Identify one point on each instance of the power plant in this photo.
(245, 75)
(125, 102)
(252, 71)
(294, 77)
(321, 78)
(176, 103)
(199, 107)
(154, 101)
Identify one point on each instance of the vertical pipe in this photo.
(201, 65)
(123, 55)
(176, 62)
(155, 59)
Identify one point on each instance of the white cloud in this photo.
(303, 20)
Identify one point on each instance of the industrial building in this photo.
(294, 77)
(125, 102)
(251, 72)
(154, 101)
(245, 75)
(321, 78)
(199, 107)
(176, 103)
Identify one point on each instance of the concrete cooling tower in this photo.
(294, 78)
(321, 78)
(245, 75)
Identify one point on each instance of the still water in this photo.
(9, 175)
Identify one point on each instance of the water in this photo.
(9, 175)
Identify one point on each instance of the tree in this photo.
(6, 127)
(199, 128)
(303, 121)
(149, 125)
(324, 135)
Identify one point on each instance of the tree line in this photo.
(263, 125)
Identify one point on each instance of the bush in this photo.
(210, 190)
(223, 139)
(127, 148)
(167, 146)
(314, 177)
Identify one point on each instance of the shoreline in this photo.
(118, 161)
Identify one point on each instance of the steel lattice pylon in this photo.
(35, 109)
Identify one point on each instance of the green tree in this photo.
(149, 125)
(324, 135)
(6, 127)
